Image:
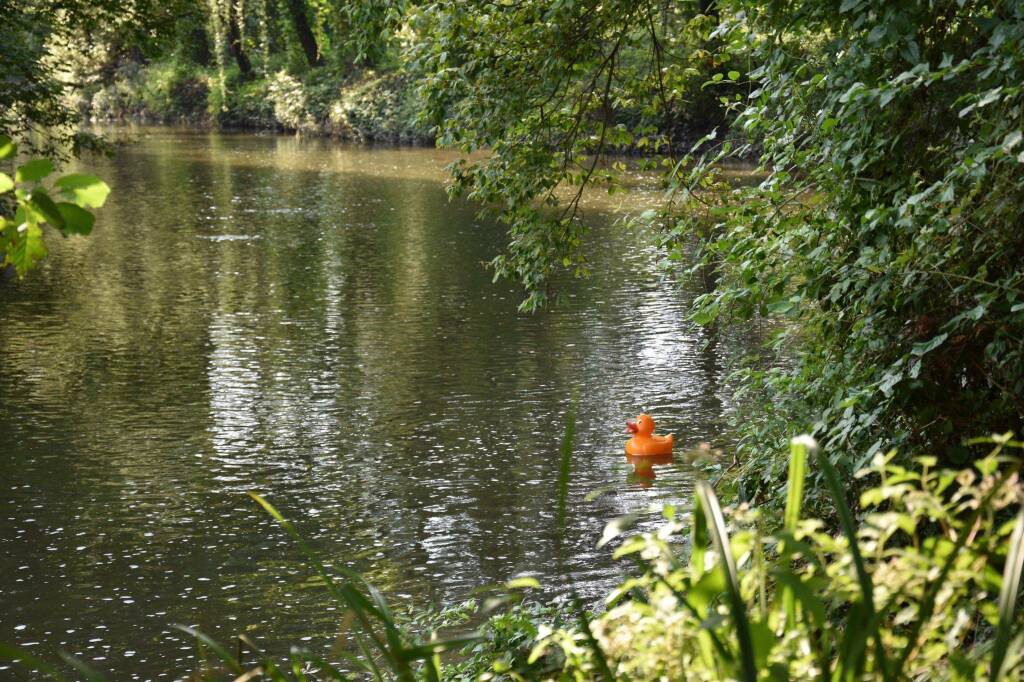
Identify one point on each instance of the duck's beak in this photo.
(631, 426)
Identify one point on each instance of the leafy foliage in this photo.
(548, 87)
(886, 223)
(890, 146)
(62, 207)
(43, 43)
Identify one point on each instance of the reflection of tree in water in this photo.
(312, 322)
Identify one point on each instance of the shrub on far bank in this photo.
(177, 91)
(380, 108)
(366, 106)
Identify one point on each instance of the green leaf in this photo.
(1012, 573)
(76, 219)
(27, 250)
(85, 190)
(617, 527)
(734, 75)
(802, 593)
(524, 582)
(34, 170)
(42, 202)
(704, 316)
(709, 588)
(928, 346)
(1011, 141)
(6, 183)
(7, 147)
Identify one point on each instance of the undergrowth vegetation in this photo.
(925, 586)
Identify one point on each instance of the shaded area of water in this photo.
(313, 322)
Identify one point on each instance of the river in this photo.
(312, 321)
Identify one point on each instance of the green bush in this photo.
(925, 588)
(172, 92)
(886, 227)
(506, 639)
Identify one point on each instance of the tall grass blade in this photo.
(849, 529)
(347, 594)
(699, 540)
(814, 610)
(432, 669)
(565, 466)
(1012, 573)
(374, 669)
(850, 661)
(87, 672)
(600, 659)
(29, 660)
(798, 449)
(226, 658)
(564, 470)
(863, 578)
(707, 639)
(738, 608)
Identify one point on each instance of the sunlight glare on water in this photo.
(312, 321)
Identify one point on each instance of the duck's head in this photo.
(642, 426)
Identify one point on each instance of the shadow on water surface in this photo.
(330, 339)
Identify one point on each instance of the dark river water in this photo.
(312, 321)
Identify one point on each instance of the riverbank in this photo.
(352, 103)
(363, 105)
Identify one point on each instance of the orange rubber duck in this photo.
(644, 443)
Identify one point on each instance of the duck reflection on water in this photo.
(643, 473)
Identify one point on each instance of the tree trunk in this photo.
(297, 9)
(235, 41)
